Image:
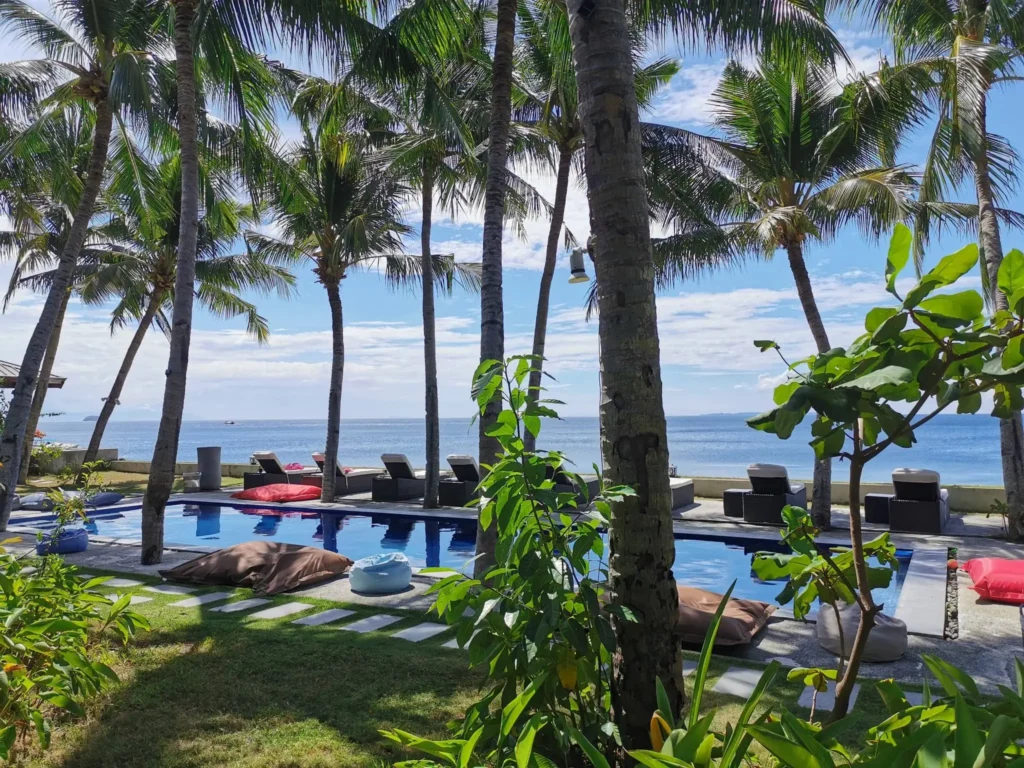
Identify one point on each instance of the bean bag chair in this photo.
(41, 502)
(741, 621)
(67, 542)
(279, 492)
(887, 641)
(1001, 581)
(381, 574)
(104, 499)
(268, 567)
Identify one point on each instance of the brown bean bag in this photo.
(268, 567)
(742, 619)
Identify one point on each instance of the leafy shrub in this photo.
(42, 456)
(537, 619)
(51, 624)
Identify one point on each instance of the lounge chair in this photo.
(770, 491)
(272, 471)
(345, 483)
(401, 483)
(920, 504)
(460, 490)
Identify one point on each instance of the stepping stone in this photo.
(136, 599)
(170, 589)
(242, 605)
(83, 576)
(280, 611)
(209, 597)
(914, 698)
(784, 661)
(826, 699)
(739, 681)
(324, 617)
(122, 583)
(421, 631)
(371, 623)
(454, 643)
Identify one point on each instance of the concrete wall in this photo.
(74, 457)
(142, 467)
(962, 498)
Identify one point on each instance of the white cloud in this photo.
(687, 97)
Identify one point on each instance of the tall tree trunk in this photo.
(165, 452)
(122, 375)
(821, 488)
(635, 444)
(334, 396)
(540, 325)
(492, 313)
(433, 426)
(39, 398)
(1011, 436)
(865, 603)
(21, 400)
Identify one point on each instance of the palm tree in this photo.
(546, 103)
(799, 156)
(137, 267)
(632, 414)
(966, 47)
(336, 212)
(95, 59)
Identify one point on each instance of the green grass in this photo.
(128, 483)
(213, 689)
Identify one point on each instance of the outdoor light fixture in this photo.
(577, 267)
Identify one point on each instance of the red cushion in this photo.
(998, 580)
(279, 492)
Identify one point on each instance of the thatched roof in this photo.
(9, 377)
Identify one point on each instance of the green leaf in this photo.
(950, 269)
(1011, 273)
(967, 740)
(890, 329)
(877, 316)
(764, 344)
(789, 752)
(524, 745)
(511, 712)
(966, 306)
(664, 704)
(1013, 355)
(969, 403)
(592, 752)
(704, 661)
(890, 375)
(899, 255)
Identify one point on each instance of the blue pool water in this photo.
(708, 562)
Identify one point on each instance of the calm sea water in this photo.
(964, 449)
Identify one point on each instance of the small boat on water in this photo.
(230, 423)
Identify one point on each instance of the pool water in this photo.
(707, 562)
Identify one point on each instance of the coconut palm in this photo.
(335, 211)
(967, 47)
(798, 156)
(95, 59)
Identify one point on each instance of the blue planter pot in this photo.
(69, 541)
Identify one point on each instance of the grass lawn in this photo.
(213, 689)
(128, 483)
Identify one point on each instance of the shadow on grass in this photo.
(223, 691)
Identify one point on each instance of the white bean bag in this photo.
(381, 574)
(887, 641)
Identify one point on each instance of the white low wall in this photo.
(73, 457)
(142, 468)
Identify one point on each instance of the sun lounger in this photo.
(401, 483)
(460, 490)
(920, 504)
(272, 471)
(770, 491)
(346, 482)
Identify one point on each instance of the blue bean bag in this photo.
(104, 499)
(69, 541)
(381, 574)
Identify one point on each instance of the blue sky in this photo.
(706, 327)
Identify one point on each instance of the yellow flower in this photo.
(567, 668)
(13, 667)
(659, 730)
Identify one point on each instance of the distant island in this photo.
(90, 418)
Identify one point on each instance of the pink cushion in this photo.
(279, 492)
(996, 579)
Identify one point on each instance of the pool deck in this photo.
(989, 633)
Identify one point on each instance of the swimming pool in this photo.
(705, 561)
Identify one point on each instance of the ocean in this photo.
(963, 449)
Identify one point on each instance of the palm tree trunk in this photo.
(21, 400)
(540, 325)
(165, 452)
(635, 445)
(122, 375)
(821, 488)
(334, 396)
(1011, 435)
(429, 349)
(492, 313)
(39, 398)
